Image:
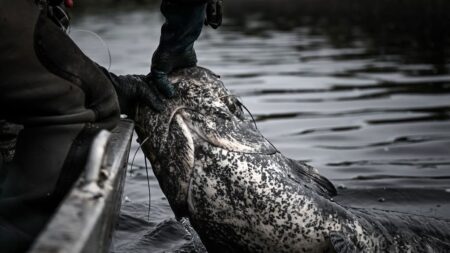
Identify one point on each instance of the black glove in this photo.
(164, 63)
(214, 13)
(134, 89)
(161, 81)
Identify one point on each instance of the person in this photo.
(63, 99)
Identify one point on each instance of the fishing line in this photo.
(148, 176)
(254, 122)
(102, 41)
(251, 115)
(149, 191)
(245, 107)
(66, 16)
(172, 115)
(135, 153)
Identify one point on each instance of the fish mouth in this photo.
(186, 138)
(194, 130)
(190, 135)
(181, 117)
(225, 132)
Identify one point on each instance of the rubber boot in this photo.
(184, 23)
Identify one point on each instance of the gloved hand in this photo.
(134, 89)
(165, 62)
(214, 13)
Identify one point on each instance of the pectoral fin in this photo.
(342, 244)
(301, 173)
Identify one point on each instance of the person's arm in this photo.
(134, 89)
(184, 23)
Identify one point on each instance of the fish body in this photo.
(242, 195)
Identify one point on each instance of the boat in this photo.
(86, 218)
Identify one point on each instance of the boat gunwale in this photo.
(85, 220)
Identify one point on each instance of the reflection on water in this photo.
(361, 91)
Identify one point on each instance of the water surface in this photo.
(369, 109)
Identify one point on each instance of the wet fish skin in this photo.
(242, 195)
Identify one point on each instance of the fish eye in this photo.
(233, 105)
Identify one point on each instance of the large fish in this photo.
(242, 195)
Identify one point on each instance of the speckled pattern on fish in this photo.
(242, 195)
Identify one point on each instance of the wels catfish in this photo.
(242, 195)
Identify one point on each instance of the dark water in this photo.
(360, 92)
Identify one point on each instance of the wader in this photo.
(62, 99)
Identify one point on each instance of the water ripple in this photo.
(368, 106)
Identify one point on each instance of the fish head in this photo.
(204, 114)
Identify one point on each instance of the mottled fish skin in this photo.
(242, 195)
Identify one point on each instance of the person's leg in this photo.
(42, 153)
(48, 160)
(184, 23)
(27, 195)
(63, 100)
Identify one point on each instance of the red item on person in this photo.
(68, 3)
